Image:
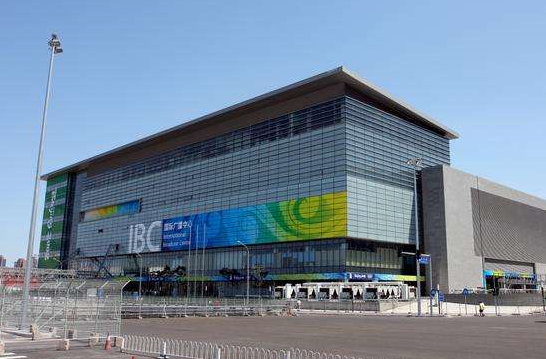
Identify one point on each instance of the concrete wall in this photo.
(540, 269)
(434, 224)
(451, 241)
(527, 299)
(449, 233)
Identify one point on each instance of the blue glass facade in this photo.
(343, 148)
(379, 182)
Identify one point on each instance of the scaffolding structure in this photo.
(62, 304)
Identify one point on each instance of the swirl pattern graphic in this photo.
(315, 217)
(311, 217)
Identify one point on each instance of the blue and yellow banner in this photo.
(121, 209)
(314, 217)
(329, 276)
(491, 273)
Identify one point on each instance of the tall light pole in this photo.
(416, 163)
(55, 47)
(139, 285)
(188, 272)
(247, 272)
(139, 275)
(203, 262)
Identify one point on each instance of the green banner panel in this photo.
(60, 194)
(48, 263)
(53, 221)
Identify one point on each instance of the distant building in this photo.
(2, 261)
(20, 263)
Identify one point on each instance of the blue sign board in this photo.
(433, 292)
(176, 233)
(441, 297)
(360, 276)
(424, 259)
(466, 292)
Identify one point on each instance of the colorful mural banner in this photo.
(380, 277)
(333, 276)
(120, 209)
(53, 222)
(491, 273)
(314, 217)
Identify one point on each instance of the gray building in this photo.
(481, 233)
(311, 179)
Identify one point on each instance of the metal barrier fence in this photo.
(409, 307)
(172, 310)
(177, 307)
(203, 350)
(150, 307)
(162, 307)
(65, 307)
(200, 301)
(173, 307)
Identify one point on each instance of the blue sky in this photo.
(132, 68)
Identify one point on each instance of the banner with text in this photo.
(53, 222)
(315, 217)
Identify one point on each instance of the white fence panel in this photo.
(203, 350)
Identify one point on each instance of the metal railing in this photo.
(65, 305)
(173, 310)
(163, 307)
(150, 307)
(200, 301)
(203, 350)
(429, 306)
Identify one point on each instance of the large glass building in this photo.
(310, 179)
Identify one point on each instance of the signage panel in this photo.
(176, 233)
(424, 259)
(120, 209)
(53, 222)
(314, 217)
(360, 276)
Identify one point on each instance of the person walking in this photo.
(482, 309)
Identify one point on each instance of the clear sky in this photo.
(132, 68)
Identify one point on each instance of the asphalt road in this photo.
(365, 336)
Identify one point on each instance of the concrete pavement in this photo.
(389, 337)
(77, 353)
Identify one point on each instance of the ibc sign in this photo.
(140, 237)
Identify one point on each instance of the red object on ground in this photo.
(108, 344)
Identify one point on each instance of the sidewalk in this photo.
(460, 309)
(76, 353)
(23, 349)
(446, 309)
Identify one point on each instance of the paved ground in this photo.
(367, 336)
(22, 348)
(49, 353)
